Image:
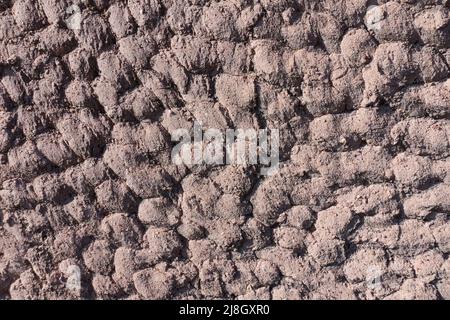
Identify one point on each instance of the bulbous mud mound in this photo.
(91, 205)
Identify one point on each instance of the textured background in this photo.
(361, 96)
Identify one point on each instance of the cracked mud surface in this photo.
(358, 210)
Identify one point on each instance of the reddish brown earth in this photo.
(358, 210)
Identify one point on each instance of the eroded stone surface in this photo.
(358, 210)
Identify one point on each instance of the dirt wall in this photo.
(92, 207)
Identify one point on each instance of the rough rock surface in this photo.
(91, 206)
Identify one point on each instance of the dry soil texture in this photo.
(91, 206)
